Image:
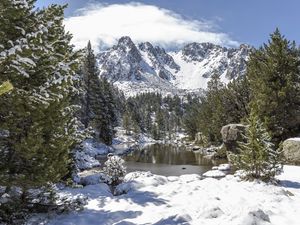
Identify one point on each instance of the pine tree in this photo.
(127, 123)
(257, 155)
(108, 113)
(155, 132)
(5, 87)
(91, 87)
(98, 100)
(161, 123)
(38, 115)
(236, 98)
(220, 105)
(115, 169)
(274, 77)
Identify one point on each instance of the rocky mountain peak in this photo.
(145, 67)
(198, 51)
(125, 42)
(158, 56)
(146, 47)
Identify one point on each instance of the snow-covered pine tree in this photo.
(36, 56)
(257, 156)
(115, 169)
(127, 123)
(91, 87)
(98, 100)
(108, 114)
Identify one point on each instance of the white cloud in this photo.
(105, 24)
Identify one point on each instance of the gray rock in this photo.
(15, 192)
(291, 150)
(212, 213)
(2, 190)
(231, 134)
(5, 198)
(257, 217)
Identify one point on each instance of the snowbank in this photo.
(214, 174)
(188, 199)
(123, 138)
(218, 171)
(93, 148)
(85, 155)
(224, 167)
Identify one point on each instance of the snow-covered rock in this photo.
(224, 167)
(94, 148)
(215, 168)
(85, 155)
(84, 161)
(214, 174)
(95, 178)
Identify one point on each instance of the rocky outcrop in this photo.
(291, 150)
(231, 134)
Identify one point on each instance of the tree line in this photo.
(270, 89)
(151, 113)
(266, 99)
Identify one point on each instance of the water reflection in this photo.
(168, 160)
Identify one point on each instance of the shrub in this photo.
(115, 169)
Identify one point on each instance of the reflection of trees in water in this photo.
(167, 154)
(203, 160)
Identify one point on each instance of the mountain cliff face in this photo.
(144, 67)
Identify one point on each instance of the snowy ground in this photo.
(188, 199)
(122, 138)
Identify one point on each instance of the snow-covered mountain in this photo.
(144, 67)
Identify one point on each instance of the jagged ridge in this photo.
(144, 67)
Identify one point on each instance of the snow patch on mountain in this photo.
(198, 61)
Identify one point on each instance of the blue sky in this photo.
(241, 21)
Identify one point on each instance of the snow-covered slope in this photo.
(141, 68)
(187, 199)
(198, 61)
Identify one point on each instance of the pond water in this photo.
(168, 160)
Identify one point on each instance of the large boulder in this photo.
(231, 134)
(291, 150)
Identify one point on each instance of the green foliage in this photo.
(151, 113)
(220, 105)
(274, 77)
(115, 169)
(5, 87)
(98, 100)
(257, 156)
(38, 117)
(127, 123)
